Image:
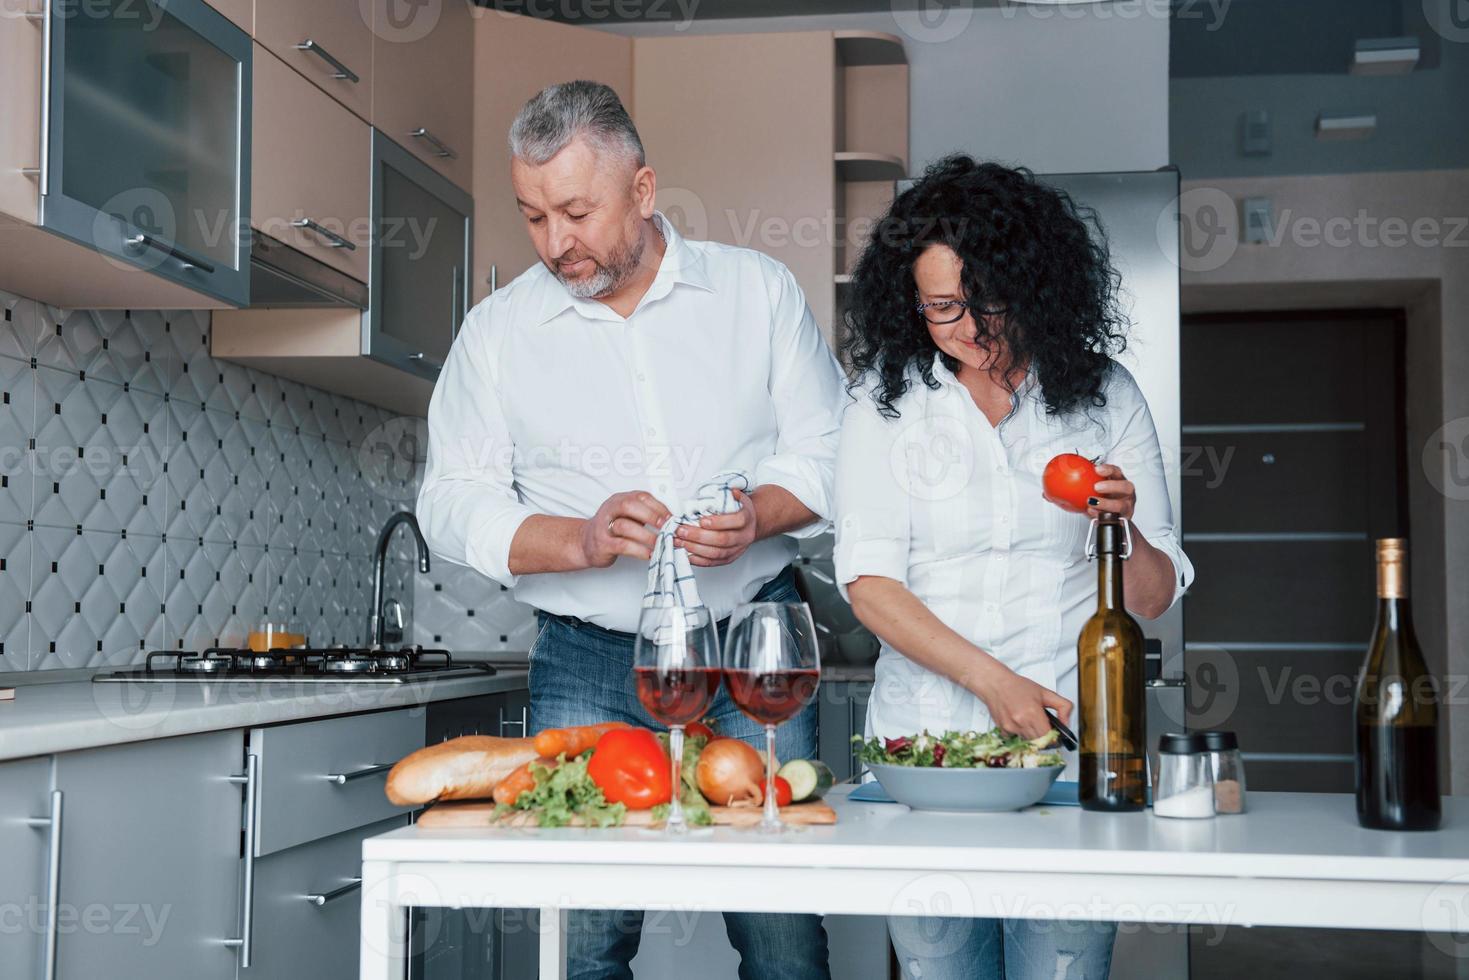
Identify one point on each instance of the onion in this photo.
(730, 773)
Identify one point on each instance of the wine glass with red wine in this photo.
(772, 668)
(676, 664)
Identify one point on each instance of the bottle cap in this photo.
(1220, 741)
(1181, 743)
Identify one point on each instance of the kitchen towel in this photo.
(670, 576)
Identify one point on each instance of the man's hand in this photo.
(721, 538)
(621, 527)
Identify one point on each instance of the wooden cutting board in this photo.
(481, 813)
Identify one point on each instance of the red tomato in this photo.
(630, 766)
(783, 792)
(1069, 480)
(698, 728)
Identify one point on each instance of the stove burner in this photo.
(340, 663)
(352, 662)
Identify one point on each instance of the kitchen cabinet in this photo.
(419, 285)
(27, 839)
(319, 778)
(422, 96)
(510, 66)
(133, 133)
(308, 905)
(312, 167)
(150, 859)
(328, 41)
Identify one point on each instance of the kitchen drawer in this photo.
(339, 60)
(312, 161)
(306, 908)
(422, 96)
(300, 800)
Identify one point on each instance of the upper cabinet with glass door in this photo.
(146, 138)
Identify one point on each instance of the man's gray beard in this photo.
(608, 278)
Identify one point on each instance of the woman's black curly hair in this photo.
(1024, 246)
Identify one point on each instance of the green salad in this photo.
(994, 749)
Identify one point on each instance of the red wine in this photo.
(771, 698)
(677, 696)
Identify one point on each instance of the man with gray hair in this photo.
(584, 403)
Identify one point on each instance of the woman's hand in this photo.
(1018, 704)
(1113, 493)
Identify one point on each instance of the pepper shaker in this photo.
(1228, 770)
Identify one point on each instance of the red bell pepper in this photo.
(630, 767)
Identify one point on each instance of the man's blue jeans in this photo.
(581, 674)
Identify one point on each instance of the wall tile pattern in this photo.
(152, 497)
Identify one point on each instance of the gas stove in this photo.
(358, 665)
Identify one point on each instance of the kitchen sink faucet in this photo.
(375, 613)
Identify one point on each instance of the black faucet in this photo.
(379, 558)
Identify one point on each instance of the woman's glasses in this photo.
(951, 310)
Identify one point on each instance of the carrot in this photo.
(521, 780)
(573, 741)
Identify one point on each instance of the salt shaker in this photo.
(1185, 781)
(1228, 770)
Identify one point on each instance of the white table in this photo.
(1295, 859)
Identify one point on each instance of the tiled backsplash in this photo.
(152, 497)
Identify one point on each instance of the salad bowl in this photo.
(968, 772)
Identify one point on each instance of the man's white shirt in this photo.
(549, 404)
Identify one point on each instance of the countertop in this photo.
(78, 714)
(1293, 859)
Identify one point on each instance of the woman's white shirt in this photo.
(950, 506)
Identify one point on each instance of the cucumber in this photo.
(809, 779)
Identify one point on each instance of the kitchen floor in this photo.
(1332, 954)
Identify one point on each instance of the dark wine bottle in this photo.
(1397, 712)
(1112, 764)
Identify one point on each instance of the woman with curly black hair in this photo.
(983, 319)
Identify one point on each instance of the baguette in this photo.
(464, 768)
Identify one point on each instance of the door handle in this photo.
(493, 278)
(343, 778)
(251, 781)
(339, 70)
(322, 898)
(441, 149)
(42, 173)
(332, 238)
(142, 240)
(53, 868)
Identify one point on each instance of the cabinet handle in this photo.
(43, 172)
(343, 778)
(53, 866)
(421, 358)
(141, 241)
(456, 303)
(441, 149)
(493, 278)
(322, 898)
(339, 70)
(332, 238)
(245, 944)
(522, 723)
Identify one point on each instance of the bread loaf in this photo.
(464, 768)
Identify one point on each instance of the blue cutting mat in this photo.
(1060, 794)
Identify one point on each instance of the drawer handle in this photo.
(319, 900)
(140, 241)
(339, 70)
(441, 149)
(343, 778)
(426, 361)
(332, 238)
